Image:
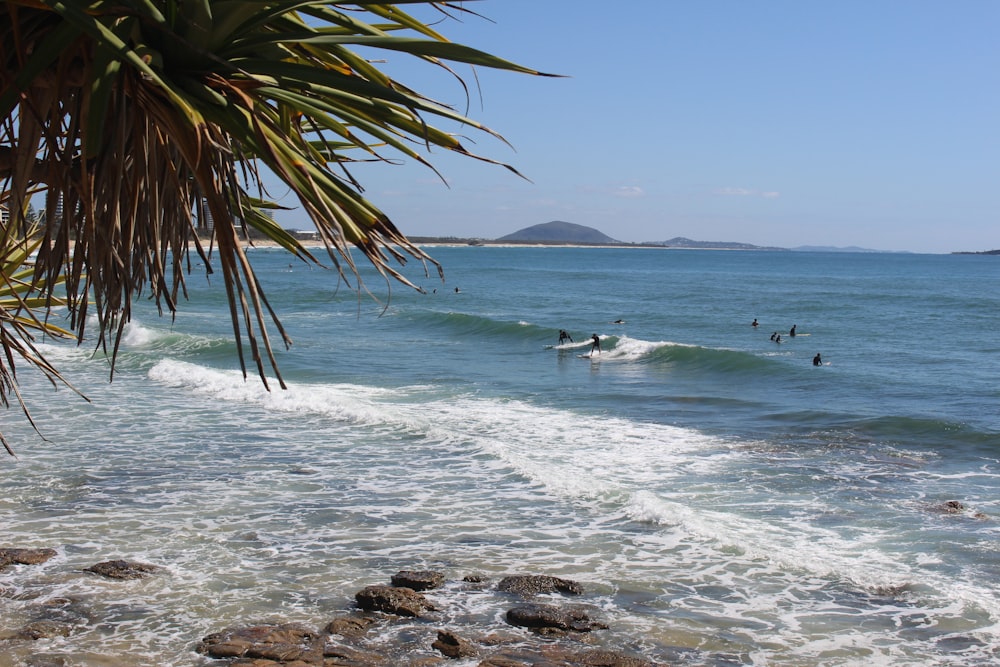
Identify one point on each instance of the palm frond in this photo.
(135, 116)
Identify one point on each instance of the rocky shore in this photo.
(547, 623)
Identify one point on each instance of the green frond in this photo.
(137, 118)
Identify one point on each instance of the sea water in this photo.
(723, 500)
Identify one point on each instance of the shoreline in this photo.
(312, 244)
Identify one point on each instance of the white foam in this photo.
(136, 335)
(572, 455)
(644, 472)
(631, 349)
(342, 402)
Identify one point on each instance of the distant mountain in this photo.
(681, 242)
(830, 248)
(558, 231)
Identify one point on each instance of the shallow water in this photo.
(722, 500)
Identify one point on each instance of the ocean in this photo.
(722, 500)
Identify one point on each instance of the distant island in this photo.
(559, 232)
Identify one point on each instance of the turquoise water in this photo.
(723, 500)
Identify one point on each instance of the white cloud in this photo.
(629, 191)
(746, 192)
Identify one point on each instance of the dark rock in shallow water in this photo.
(422, 580)
(339, 655)
(46, 661)
(57, 617)
(562, 656)
(361, 639)
(393, 600)
(24, 556)
(284, 643)
(122, 569)
(45, 629)
(540, 616)
(957, 507)
(453, 646)
(349, 626)
(527, 585)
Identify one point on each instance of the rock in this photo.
(542, 616)
(453, 646)
(45, 629)
(121, 569)
(529, 585)
(393, 600)
(952, 507)
(57, 617)
(339, 655)
(286, 643)
(24, 556)
(349, 626)
(562, 656)
(957, 507)
(598, 658)
(46, 661)
(422, 580)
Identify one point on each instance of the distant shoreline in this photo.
(446, 242)
(526, 244)
(450, 242)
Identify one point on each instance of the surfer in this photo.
(619, 322)
(754, 323)
(596, 344)
(777, 338)
(792, 331)
(774, 335)
(817, 361)
(563, 337)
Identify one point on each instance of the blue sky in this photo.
(785, 123)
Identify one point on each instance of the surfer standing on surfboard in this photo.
(563, 336)
(597, 343)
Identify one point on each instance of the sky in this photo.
(773, 122)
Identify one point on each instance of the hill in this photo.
(681, 242)
(558, 231)
(827, 248)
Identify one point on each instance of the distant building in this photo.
(304, 235)
(203, 218)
